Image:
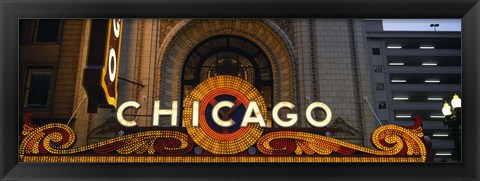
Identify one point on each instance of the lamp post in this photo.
(434, 26)
(453, 119)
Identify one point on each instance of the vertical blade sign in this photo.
(101, 74)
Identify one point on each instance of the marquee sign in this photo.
(101, 74)
(225, 121)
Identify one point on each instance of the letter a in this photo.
(258, 118)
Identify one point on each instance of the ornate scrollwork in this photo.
(57, 139)
(389, 140)
(53, 142)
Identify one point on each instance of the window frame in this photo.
(379, 51)
(251, 57)
(380, 105)
(379, 70)
(228, 47)
(378, 84)
(30, 31)
(26, 88)
(35, 32)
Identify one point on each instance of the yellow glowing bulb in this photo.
(456, 101)
(446, 110)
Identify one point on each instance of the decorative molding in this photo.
(166, 26)
(346, 131)
(285, 29)
(103, 132)
(286, 25)
(313, 58)
(139, 58)
(356, 78)
(258, 31)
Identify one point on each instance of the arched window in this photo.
(228, 55)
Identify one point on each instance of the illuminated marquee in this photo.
(240, 133)
(101, 74)
(109, 80)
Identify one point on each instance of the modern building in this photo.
(336, 61)
(415, 72)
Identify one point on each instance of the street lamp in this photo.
(453, 119)
(434, 26)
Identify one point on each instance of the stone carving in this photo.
(103, 132)
(286, 25)
(347, 131)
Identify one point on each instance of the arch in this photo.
(240, 56)
(186, 34)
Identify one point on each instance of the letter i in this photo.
(195, 113)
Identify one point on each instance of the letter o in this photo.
(112, 64)
(312, 121)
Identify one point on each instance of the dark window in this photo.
(37, 89)
(382, 105)
(47, 30)
(378, 69)
(384, 122)
(380, 87)
(227, 63)
(376, 51)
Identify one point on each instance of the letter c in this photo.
(217, 108)
(122, 108)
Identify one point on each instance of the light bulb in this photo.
(446, 110)
(456, 101)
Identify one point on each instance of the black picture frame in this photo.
(468, 10)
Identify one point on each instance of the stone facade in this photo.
(325, 52)
(63, 57)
